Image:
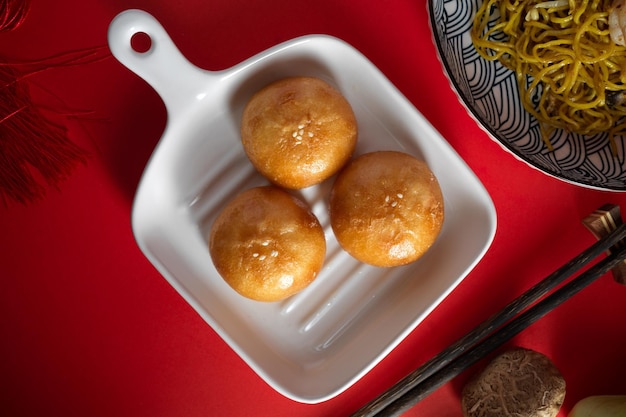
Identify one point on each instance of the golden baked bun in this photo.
(267, 244)
(298, 131)
(386, 208)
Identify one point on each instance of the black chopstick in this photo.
(462, 354)
(454, 368)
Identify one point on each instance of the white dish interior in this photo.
(317, 343)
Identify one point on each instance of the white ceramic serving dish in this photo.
(317, 343)
(490, 94)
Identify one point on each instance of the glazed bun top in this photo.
(386, 208)
(267, 244)
(298, 131)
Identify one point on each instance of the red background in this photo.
(89, 328)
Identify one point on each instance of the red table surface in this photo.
(90, 328)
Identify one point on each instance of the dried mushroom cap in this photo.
(517, 383)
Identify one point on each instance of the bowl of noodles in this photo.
(545, 79)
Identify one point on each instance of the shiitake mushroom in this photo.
(517, 383)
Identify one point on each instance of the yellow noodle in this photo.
(566, 54)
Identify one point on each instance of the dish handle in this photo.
(161, 64)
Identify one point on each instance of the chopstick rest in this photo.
(484, 338)
(602, 222)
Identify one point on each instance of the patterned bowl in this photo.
(490, 94)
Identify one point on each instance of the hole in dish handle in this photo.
(140, 43)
